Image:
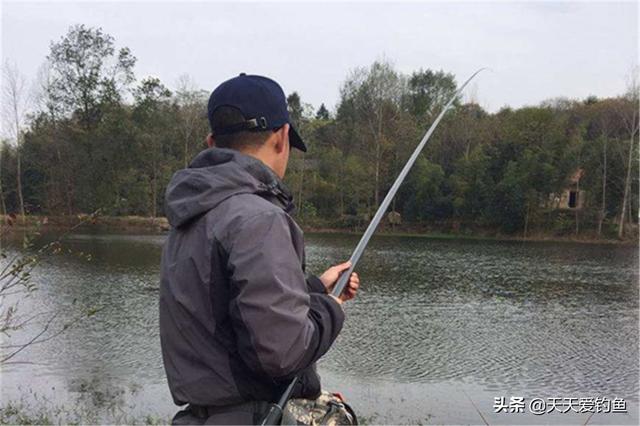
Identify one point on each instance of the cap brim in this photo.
(295, 140)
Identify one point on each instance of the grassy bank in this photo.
(445, 230)
(44, 413)
(123, 224)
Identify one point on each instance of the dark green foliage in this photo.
(295, 108)
(88, 73)
(428, 91)
(425, 195)
(323, 113)
(89, 148)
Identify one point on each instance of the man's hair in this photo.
(226, 116)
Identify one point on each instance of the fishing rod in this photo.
(275, 412)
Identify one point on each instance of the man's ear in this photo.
(281, 137)
(210, 141)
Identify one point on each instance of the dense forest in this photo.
(94, 137)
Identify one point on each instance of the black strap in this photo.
(251, 125)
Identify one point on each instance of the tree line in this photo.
(95, 137)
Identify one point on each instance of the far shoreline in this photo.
(439, 235)
(11, 224)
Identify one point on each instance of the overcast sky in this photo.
(536, 50)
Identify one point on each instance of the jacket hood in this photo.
(215, 175)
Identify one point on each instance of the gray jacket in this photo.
(238, 317)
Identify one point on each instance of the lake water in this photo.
(440, 329)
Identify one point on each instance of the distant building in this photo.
(571, 197)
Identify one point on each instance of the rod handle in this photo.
(273, 417)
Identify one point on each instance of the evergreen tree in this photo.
(322, 113)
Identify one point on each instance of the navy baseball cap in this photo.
(260, 100)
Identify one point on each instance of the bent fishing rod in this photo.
(274, 414)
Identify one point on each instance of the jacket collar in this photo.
(271, 187)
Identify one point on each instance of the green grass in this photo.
(42, 412)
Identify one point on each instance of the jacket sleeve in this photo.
(314, 285)
(281, 327)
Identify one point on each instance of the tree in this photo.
(3, 205)
(370, 100)
(630, 115)
(15, 101)
(428, 92)
(602, 132)
(87, 145)
(88, 72)
(191, 103)
(472, 185)
(152, 97)
(424, 185)
(88, 78)
(49, 119)
(529, 160)
(295, 108)
(322, 113)
(460, 133)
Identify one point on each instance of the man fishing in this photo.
(238, 317)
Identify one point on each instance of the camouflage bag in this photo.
(328, 409)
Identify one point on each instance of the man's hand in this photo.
(331, 275)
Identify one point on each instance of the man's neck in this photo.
(262, 156)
